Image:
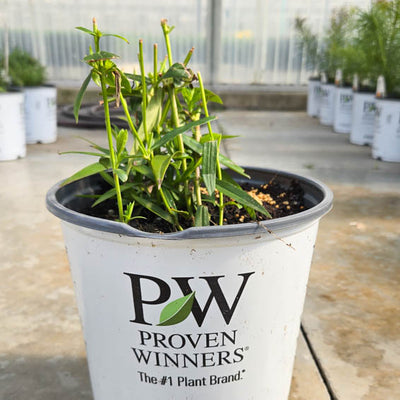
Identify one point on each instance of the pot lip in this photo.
(251, 228)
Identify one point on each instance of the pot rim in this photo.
(277, 224)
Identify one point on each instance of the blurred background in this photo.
(236, 41)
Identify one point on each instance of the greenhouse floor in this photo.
(349, 346)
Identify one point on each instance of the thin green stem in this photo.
(155, 65)
(188, 57)
(144, 94)
(111, 147)
(166, 31)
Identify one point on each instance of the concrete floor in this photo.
(351, 317)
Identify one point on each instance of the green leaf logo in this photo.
(177, 311)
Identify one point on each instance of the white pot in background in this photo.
(313, 97)
(363, 121)
(12, 126)
(41, 114)
(343, 107)
(326, 111)
(238, 341)
(386, 142)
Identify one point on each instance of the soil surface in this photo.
(276, 199)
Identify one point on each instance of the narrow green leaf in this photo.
(231, 165)
(209, 165)
(144, 170)
(84, 172)
(211, 96)
(242, 197)
(137, 78)
(122, 138)
(79, 96)
(154, 208)
(177, 311)
(117, 36)
(81, 28)
(159, 165)
(193, 144)
(202, 217)
(122, 175)
(109, 194)
(87, 153)
(172, 134)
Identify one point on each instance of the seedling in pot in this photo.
(173, 170)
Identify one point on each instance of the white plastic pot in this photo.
(313, 97)
(41, 114)
(386, 142)
(12, 126)
(326, 111)
(239, 340)
(363, 121)
(343, 107)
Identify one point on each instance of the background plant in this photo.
(25, 70)
(155, 167)
(378, 39)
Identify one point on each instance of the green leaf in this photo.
(84, 172)
(122, 175)
(231, 165)
(209, 165)
(154, 208)
(117, 36)
(81, 28)
(86, 153)
(177, 311)
(137, 78)
(211, 96)
(79, 97)
(202, 217)
(153, 113)
(100, 56)
(172, 134)
(122, 138)
(178, 73)
(159, 165)
(109, 194)
(192, 144)
(242, 197)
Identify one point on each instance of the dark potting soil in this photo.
(277, 200)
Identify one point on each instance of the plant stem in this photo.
(165, 29)
(111, 147)
(188, 57)
(155, 65)
(219, 171)
(144, 95)
(197, 137)
(174, 216)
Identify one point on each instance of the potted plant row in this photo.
(185, 286)
(362, 46)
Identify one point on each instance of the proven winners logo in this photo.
(159, 347)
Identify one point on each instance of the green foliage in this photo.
(165, 164)
(308, 43)
(25, 70)
(378, 39)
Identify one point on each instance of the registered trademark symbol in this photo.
(246, 348)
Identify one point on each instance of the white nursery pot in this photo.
(326, 111)
(313, 97)
(12, 126)
(343, 107)
(41, 114)
(239, 340)
(386, 142)
(363, 121)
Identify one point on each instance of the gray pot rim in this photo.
(323, 205)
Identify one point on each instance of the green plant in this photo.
(308, 44)
(165, 172)
(25, 70)
(378, 38)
